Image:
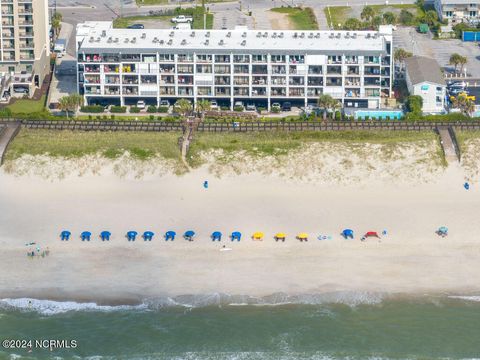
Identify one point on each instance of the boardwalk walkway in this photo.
(448, 144)
(7, 133)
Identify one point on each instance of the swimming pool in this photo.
(378, 114)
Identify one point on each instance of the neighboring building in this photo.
(123, 66)
(24, 45)
(424, 78)
(458, 10)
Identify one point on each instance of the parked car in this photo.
(251, 107)
(287, 106)
(455, 91)
(136, 26)
(238, 104)
(457, 85)
(164, 103)
(213, 105)
(20, 90)
(141, 104)
(276, 106)
(181, 19)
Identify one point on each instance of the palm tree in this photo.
(462, 60)
(56, 22)
(389, 18)
(202, 106)
(368, 13)
(455, 60)
(70, 103)
(184, 107)
(336, 106)
(466, 105)
(325, 102)
(400, 55)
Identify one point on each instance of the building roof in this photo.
(459, 2)
(421, 69)
(131, 40)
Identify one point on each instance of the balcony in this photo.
(204, 91)
(314, 92)
(112, 79)
(167, 90)
(353, 70)
(238, 91)
(372, 92)
(111, 68)
(241, 80)
(148, 79)
(276, 91)
(259, 69)
(259, 58)
(8, 34)
(352, 93)
(222, 69)
(296, 59)
(296, 92)
(92, 90)
(315, 81)
(334, 59)
(129, 79)
(130, 90)
(25, 9)
(222, 91)
(296, 81)
(240, 69)
(89, 79)
(26, 45)
(25, 33)
(372, 70)
(185, 58)
(185, 69)
(129, 68)
(167, 80)
(222, 58)
(335, 70)
(279, 81)
(315, 70)
(185, 80)
(259, 91)
(204, 58)
(112, 90)
(7, 10)
(259, 80)
(279, 69)
(185, 91)
(92, 68)
(222, 80)
(243, 59)
(167, 69)
(334, 81)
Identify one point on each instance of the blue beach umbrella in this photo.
(85, 235)
(236, 235)
(188, 235)
(105, 235)
(148, 235)
(170, 235)
(65, 235)
(466, 186)
(216, 235)
(131, 235)
(347, 233)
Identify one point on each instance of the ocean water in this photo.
(335, 326)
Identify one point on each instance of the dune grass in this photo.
(301, 18)
(336, 15)
(280, 143)
(72, 144)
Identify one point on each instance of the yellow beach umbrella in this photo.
(258, 235)
(302, 236)
(280, 235)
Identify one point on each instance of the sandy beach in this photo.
(411, 259)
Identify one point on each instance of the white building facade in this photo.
(456, 11)
(123, 66)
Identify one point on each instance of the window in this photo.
(11, 69)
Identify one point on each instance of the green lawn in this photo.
(23, 106)
(279, 143)
(301, 18)
(336, 15)
(196, 13)
(142, 145)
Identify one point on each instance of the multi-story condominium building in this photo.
(124, 66)
(24, 45)
(458, 10)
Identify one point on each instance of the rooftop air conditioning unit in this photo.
(144, 35)
(339, 36)
(368, 36)
(92, 39)
(274, 35)
(98, 39)
(162, 42)
(302, 35)
(184, 42)
(192, 34)
(155, 40)
(347, 35)
(244, 35)
(259, 34)
(280, 35)
(172, 33)
(331, 36)
(229, 34)
(354, 35)
(265, 34)
(104, 33)
(310, 36)
(126, 40)
(170, 42)
(109, 40)
(317, 36)
(221, 42)
(244, 42)
(207, 42)
(207, 34)
(116, 40)
(134, 40)
(295, 35)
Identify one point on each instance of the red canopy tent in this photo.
(371, 234)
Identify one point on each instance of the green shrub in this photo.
(151, 109)
(112, 117)
(338, 116)
(92, 109)
(224, 108)
(134, 110)
(414, 104)
(275, 110)
(104, 117)
(367, 117)
(162, 109)
(152, 117)
(238, 108)
(98, 117)
(260, 109)
(118, 109)
(90, 117)
(5, 113)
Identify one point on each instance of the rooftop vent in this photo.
(134, 40)
(184, 42)
(259, 34)
(221, 42)
(172, 33)
(162, 42)
(368, 36)
(155, 39)
(116, 40)
(126, 40)
(144, 35)
(280, 35)
(207, 34)
(92, 39)
(207, 42)
(244, 35)
(229, 34)
(302, 35)
(317, 36)
(354, 35)
(375, 35)
(310, 36)
(295, 35)
(265, 34)
(274, 35)
(170, 42)
(104, 33)
(192, 34)
(244, 42)
(331, 36)
(109, 40)
(338, 36)
(347, 35)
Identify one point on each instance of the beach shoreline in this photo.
(410, 259)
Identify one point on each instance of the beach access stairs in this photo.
(448, 141)
(7, 133)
